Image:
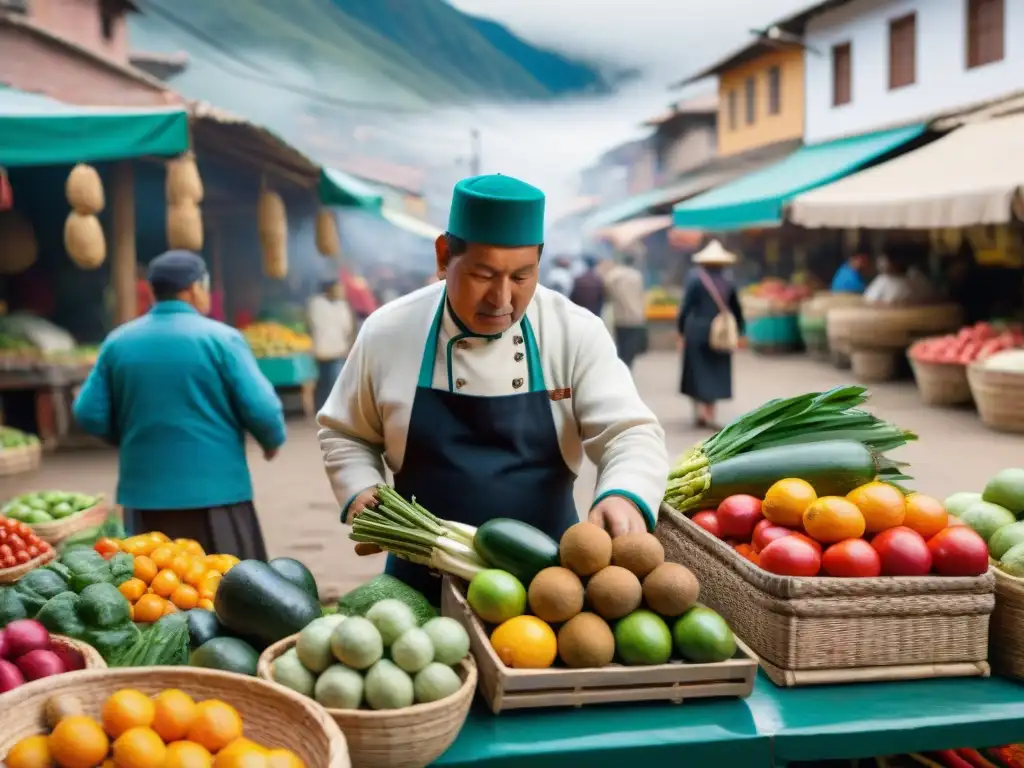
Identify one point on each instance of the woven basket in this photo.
(880, 327)
(58, 530)
(999, 396)
(873, 365)
(1006, 632)
(273, 715)
(820, 630)
(11, 575)
(413, 737)
(25, 458)
(91, 657)
(941, 383)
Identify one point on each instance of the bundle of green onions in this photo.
(408, 530)
(832, 418)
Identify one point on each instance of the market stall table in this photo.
(294, 373)
(708, 733)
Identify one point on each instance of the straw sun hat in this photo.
(714, 253)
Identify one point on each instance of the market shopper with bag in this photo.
(483, 393)
(710, 324)
(177, 392)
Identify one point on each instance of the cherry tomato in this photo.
(5, 550)
(107, 547)
(23, 530)
(3, 534)
(9, 561)
(21, 556)
(33, 551)
(11, 525)
(16, 542)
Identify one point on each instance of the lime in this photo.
(986, 518)
(1007, 490)
(496, 596)
(642, 639)
(1005, 539)
(958, 503)
(703, 637)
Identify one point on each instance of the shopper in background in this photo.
(560, 276)
(851, 277)
(624, 287)
(588, 287)
(332, 326)
(177, 392)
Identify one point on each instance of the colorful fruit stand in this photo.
(771, 310)
(284, 356)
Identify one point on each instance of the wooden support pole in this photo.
(124, 266)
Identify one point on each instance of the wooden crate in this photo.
(506, 688)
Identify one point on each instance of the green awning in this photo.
(338, 188)
(758, 199)
(37, 130)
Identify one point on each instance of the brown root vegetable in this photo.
(556, 595)
(585, 549)
(614, 592)
(84, 240)
(84, 190)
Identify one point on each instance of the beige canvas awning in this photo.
(628, 232)
(967, 178)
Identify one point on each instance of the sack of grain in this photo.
(185, 226)
(84, 190)
(18, 245)
(272, 223)
(183, 181)
(327, 240)
(84, 240)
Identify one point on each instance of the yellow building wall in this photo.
(766, 129)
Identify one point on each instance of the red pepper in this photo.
(975, 758)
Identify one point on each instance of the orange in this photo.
(185, 597)
(148, 609)
(195, 573)
(31, 752)
(525, 642)
(174, 712)
(78, 742)
(163, 538)
(787, 500)
(125, 709)
(208, 586)
(133, 589)
(833, 518)
(138, 545)
(217, 724)
(190, 547)
(283, 758)
(139, 748)
(163, 555)
(241, 760)
(205, 603)
(882, 505)
(185, 754)
(925, 515)
(145, 568)
(165, 582)
(180, 564)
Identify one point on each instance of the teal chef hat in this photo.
(497, 210)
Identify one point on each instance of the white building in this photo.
(874, 64)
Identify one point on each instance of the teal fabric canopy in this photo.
(338, 188)
(758, 199)
(37, 130)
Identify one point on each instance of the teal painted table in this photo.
(288, 372)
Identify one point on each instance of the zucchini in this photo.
(297, 573)
(255, 600)
(516, 547)
(833, 467)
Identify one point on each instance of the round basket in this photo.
(11, 575)
(90, 655)
(58, 530)
(873, 365)
(413, 737)
(999, 396)
(25, 458)
(891, 327)
(941, 383)
(273, 715)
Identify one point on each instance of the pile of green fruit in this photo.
(15, 438)
(997, 515)
(47, 506)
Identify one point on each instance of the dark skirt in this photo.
(707, 373)
(231, 530)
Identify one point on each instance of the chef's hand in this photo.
(365, 500)
(618, 516)
(269, 453)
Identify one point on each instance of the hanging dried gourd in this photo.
(84, 240)
(84, 190)
(183, 181)
(18, 245)
(272, 223)
(185, 226)
(327, 240)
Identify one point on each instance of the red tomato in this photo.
(107, 547)
(9, 561)
(16, 542)
(904, 552)
(23, 530)
(738, 514)
(958, 551)
(791, 556)
(808, 539)
(11, 525)
(21, 556)
(5, 550)
(766, 532)
(852, 558)
(33, 551)
(709, 522)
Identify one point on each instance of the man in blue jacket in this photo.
(177, 393)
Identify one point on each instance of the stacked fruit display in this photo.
(997, 515)
(781, 295)
(27, 652)
(18, 545)
(14, 438)
(133, 730)
(276, 340)
(875, 530)
(972, 343)
(623, 583)
(46, 506)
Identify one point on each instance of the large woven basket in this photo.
(25, 458)
(91, 657)
(58, 530)
(941, 383)
(999, 396)
(11, 575)
(413, 737)
(880, 327)
(873, 365)
(272, 715)
(826, 630)
(1006, 633)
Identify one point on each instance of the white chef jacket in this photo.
(595, 404)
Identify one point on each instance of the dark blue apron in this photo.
(472, 459)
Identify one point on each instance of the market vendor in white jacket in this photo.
(483, 392)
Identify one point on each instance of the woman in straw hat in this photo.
(707, 367)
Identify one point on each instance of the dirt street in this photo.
(300, 517)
